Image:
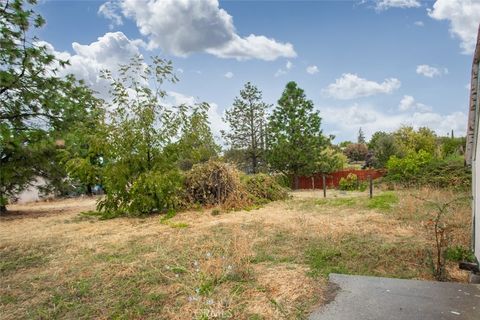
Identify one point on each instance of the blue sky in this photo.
(371, 64)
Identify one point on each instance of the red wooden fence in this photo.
(333, 179)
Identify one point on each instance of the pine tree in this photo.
(295, 139)
(361, 136)
(247, 122)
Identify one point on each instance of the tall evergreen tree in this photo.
(247, 121)
(36, 106)
(361, 136)
(295, 139)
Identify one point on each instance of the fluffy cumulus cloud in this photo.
(228, 75)
(110, 11)
(283, 71)
(429, 71)
(464, 18)
(188, 26)
(409, 103)
(351, 86)
(107, 53)
(387, 4)
(419, 23)
(312, 69)
(347, 120)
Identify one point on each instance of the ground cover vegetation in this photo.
(202, 231)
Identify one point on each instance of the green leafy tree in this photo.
(196, 143)
(331, 160)
(410, 140)
(247, 122)
(384, 146)
(295, 140)
(356, 151)
(139, 131)
(36, 107)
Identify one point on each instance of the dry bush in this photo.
(215, 183)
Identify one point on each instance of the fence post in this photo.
(370, 180)
(324, 186)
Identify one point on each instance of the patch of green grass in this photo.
(14, 258)
(367, 254)
(383, 201)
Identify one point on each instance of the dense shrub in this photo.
(446, 173)
(351, 183)
(422, 169)
(152, 191)
(263, 188)
(405, 170)
(215, 183)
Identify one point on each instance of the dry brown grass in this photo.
(269, 263)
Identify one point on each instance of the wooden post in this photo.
(370, 180)
(324, 186)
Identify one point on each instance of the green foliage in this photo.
(247, 122)
(156, 191)
(451, 146)
(351, 183)
(361, 137)
(37, 107)
(422, 169)
(356, 151)
(264, 188)
(139, 175)
(411, 141)
(383, 146)
(446, 173)
(295, 139)
(383, 201)
(406, 169)
(196, 143)
(331, 160)
(459, 253)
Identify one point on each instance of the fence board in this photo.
(333, 179)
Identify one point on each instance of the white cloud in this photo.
(229, 75)
(419, 23)
(289, 65)
(312, 69)
(180, 70)
(429, 71)
(188, 26)
(108, 52)
(280, 72)
(110, 11)
(408, 103)
(387, 4)
(351, 86)
(347, 120)
(464, 17)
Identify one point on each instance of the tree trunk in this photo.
(3, 209)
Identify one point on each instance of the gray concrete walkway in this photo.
(373, 298)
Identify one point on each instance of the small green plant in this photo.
(351, 183)
(459, 253)
(215, 212)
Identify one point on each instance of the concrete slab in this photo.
(372, 298)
